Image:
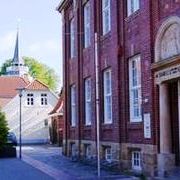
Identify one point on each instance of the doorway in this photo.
(174, 114)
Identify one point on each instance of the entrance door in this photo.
(173, 95)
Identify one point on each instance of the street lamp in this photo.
(20, 90)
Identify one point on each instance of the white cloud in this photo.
(7, 41)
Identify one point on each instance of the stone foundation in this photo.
(121, 154)
(166, 163)
(148, 157)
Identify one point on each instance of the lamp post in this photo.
(20, 90)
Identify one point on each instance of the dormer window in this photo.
(44, 99)
(30, 99)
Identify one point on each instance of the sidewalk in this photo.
(15, 169)
(49, 160)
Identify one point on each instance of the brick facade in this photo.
(129, 36)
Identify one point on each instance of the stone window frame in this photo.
(106, 16)
(132, 6)
(165, 25)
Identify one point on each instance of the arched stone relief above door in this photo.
(167, 44)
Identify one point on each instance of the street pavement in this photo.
(47, 163)
(49, 159)
(15, 169)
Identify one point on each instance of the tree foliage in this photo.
(4, 66)
(3, 129)
(42, 72)
(37, 70)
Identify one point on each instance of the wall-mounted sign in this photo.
(167, 74)
(147, 125)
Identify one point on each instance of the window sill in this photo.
(107, 125)
(87, 126)
(72, 58)
(105, 36)
(132, 16)
(72, 127)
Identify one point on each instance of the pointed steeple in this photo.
(16, 51)
(17, 67)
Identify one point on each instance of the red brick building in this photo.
(138, 51)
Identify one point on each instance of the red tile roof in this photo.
(9, 84)
(37, 85)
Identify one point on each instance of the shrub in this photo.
(3, 129)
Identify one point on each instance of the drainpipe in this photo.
(97, 104)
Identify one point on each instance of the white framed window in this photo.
(87, 151)
(108, 154)
(135, 89)
(72, 38)
(44, 100)
(136, 160)
(73, 150)
(87, 30)
(30, 99)
(73, 105)
(107, 96)
(106, 16)
(133, 6)
(88, 103)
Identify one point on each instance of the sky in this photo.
(40, 34)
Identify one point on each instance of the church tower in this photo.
(17, 67)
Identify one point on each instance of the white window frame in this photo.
(72, 38)
(106, 16)
(107, 96)
(73, 106)
(87, 22)
(133, 6)
(44, 99)
(30, 99)
(88, 102)
(136, 160)
(108, 154)
(135, 103)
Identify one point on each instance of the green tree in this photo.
(4, 66)
(37, 70)
(3, 129)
